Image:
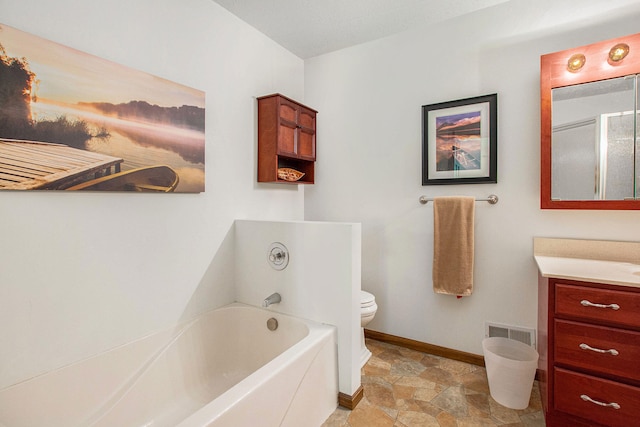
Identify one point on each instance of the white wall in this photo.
(82, 273)
(369, 100)
(320, 283)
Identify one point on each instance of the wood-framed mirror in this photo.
(590, 126)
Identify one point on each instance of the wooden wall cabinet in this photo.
(286, 139)
(590, 353)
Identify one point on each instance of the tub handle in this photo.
(613, 405)
(278, 256)
(611, 351)
(587, 303)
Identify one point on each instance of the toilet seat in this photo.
(366, 299)
(368, 306)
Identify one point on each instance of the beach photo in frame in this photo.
(459, 141)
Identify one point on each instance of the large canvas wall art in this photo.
(75, 122)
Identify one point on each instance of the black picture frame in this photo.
(460, 141)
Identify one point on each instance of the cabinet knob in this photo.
(586, 303)
(586, 398)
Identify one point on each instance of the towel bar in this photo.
(492, 199)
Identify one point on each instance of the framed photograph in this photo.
(459, 141)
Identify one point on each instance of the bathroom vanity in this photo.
(589, 331)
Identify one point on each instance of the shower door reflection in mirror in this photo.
(593, 140)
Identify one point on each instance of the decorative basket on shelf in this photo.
(289, 174)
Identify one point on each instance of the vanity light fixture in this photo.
(576, 62)
(618, 53)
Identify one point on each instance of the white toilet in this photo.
(368, 308)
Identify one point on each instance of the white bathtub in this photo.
(225, 368)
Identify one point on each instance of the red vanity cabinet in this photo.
(589, 335)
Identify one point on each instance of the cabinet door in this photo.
(306, 148)
(287, 128)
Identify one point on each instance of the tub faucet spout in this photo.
(271, 299)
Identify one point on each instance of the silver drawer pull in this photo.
(612, 351)
(591, 304)
(586, 398)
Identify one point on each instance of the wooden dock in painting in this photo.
(33, 165)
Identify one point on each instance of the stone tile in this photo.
(411, 354)
(338, 418)
(475, 422)
(455, 367)
(478, 404)
(375, 347)
(417, 382)
(380, 395)
(417, 419)
(369, 416)
(407, 405)
(439, 376)
(378, 346)
(374, 379)
(452, 400)
(407, 368)
(406, 388)
(502, 413)
(391, 356)
(391, 412)
(445, 419)
(425, 394)
(376, 366)
(429, 408)
(403, 391)
(535, 419)
(430, 360)
(475, 381)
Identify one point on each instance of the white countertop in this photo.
(589, 270)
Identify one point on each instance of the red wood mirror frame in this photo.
(554, 73)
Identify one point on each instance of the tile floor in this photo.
(406, 388)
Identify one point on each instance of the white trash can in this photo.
(511, 369)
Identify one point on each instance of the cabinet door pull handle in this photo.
(613, 405)
(586, 303)
(612, 351)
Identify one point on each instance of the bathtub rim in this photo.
(319, 334)
(312, 329)
(172, 332)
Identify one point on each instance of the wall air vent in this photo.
(524, 335)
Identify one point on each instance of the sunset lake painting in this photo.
(74, 121)
(458, 141)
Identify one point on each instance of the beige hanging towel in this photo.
(453, 245)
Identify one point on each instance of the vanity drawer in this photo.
(572, 391)
(598, 304)
(604, 350)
